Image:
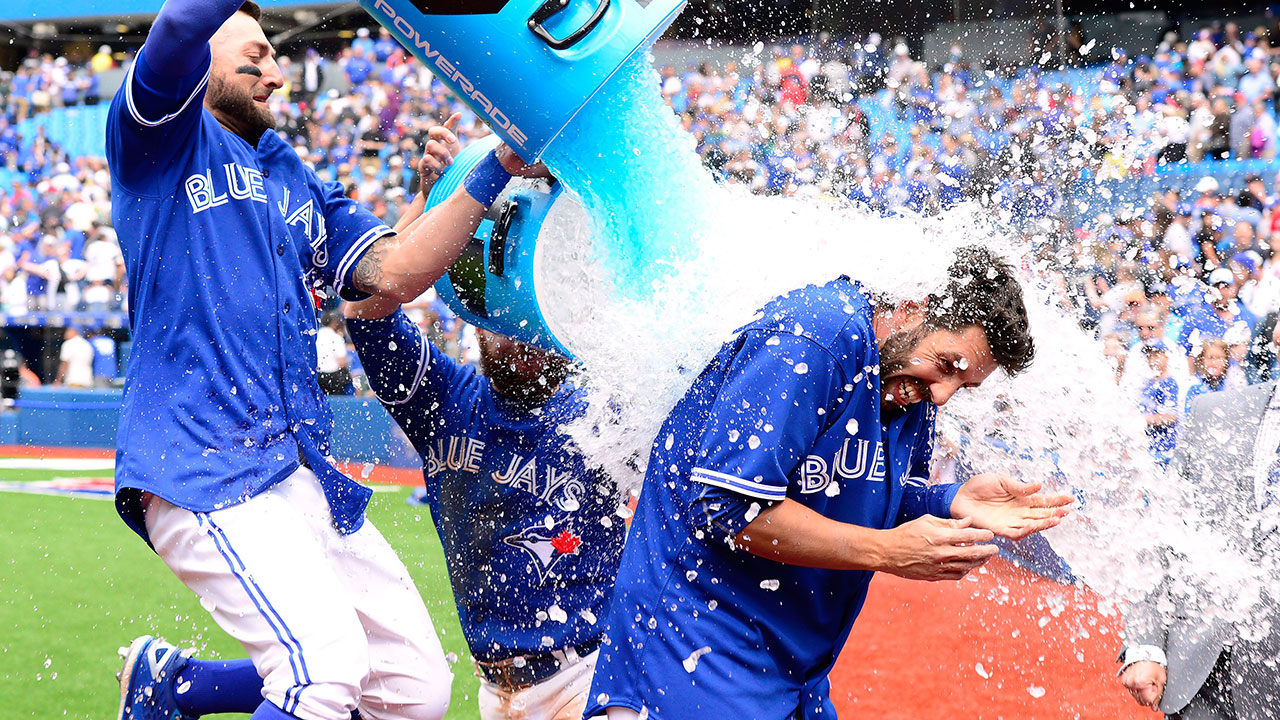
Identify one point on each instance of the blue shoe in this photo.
(146, 680)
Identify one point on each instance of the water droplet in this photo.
(691, 662)
(1035, 691)
(800, 368)
(981, 670)
(752, 511)
(753, 442)
(770, 585)
(851, 427)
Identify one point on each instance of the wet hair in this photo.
(982, 291)
(250, 8)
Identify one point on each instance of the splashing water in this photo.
(655, 265)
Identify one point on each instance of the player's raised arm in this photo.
(437, 156)
(401, 267)
(179, 39)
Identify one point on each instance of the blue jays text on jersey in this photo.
(790, 409)
(531, 534)
(224, 242)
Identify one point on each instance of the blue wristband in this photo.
(486, 180)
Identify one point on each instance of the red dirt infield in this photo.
(915, 650)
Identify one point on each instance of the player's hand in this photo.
(930, 548)
(438, 155)
(1007, 507)
(514, 164)
(1145, 682)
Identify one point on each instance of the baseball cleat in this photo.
(146, 680)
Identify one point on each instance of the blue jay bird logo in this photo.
(545, 548)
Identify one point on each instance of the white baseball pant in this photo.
(332, 622)
(562, 696)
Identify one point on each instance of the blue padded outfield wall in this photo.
(65, 9)
(60, 417)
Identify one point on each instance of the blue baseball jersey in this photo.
(532, 535)
(790, 409)
(1160, 396)
(224, 242)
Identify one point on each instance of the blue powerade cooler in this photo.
(492, 283)
(525, 66)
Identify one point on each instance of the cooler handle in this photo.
(498, 239)
(551, 7)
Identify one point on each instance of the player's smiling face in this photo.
(243, 75)
(926, 365)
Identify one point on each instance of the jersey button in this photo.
(280, 249)
(286, 306)
(266, 173)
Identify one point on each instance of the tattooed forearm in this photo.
(368, 274)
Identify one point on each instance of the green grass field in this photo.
(76, 584)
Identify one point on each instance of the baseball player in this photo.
(794, 467)
(531, 534)
(222, 458)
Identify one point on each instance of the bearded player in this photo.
(793, 469)
(222, 461)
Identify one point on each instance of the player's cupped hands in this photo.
(1145, 682)
(1008, 507)
(514, 164)
(442, 147)
(931, 548)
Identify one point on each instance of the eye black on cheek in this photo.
(248, 70)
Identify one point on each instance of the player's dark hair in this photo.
(250, 8)
(982, 291)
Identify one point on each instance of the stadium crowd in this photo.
(1182, 291)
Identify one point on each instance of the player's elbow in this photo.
(401, 292)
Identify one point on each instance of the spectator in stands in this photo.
(312, 77)
(106, 367)
(333, 367)
(1210, 370)
(104, 271)
(1218, 142)
(357, 66)
(1218, 313)
(103, 60)
(1159, 402)
(1263, 358)
(1151, 324)
(75, 367)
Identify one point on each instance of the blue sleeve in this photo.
(765, 417)
(919, 498)
(718, 515)
(408, 374)
(179, 38)
(351, 230)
